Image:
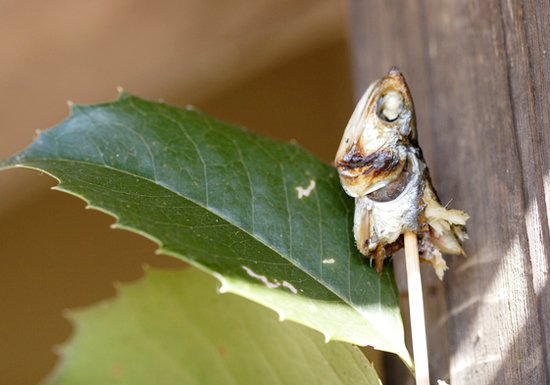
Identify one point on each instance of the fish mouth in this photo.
(361, 174)
(384, 184)
(355, 163)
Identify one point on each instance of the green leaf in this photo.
(172, 328)
(231, 203)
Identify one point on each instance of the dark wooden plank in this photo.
(479, 73)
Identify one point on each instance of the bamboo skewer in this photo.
(416, 309)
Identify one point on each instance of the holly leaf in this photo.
(171, 327)
(268, 219)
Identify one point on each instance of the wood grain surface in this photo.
(479, 72)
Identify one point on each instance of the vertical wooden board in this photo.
(494, 321)
(479, 74)
(533, 106)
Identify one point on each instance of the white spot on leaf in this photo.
(261, 278)
(328, 261)
(270, 284)
(305, 191)
(290, 287)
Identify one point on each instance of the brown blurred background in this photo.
(280, 68)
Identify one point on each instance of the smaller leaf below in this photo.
(172, 328)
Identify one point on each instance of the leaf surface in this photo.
(172, 328)
(269, 220)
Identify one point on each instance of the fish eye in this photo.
(390, 106)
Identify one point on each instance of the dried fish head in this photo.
(381, 165)
(372, 152)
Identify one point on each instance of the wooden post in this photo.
(479, 72)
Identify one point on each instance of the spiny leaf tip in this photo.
(122, 93)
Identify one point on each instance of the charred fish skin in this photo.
(381, 165)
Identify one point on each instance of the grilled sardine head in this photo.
(372, 151)
(381, 165)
